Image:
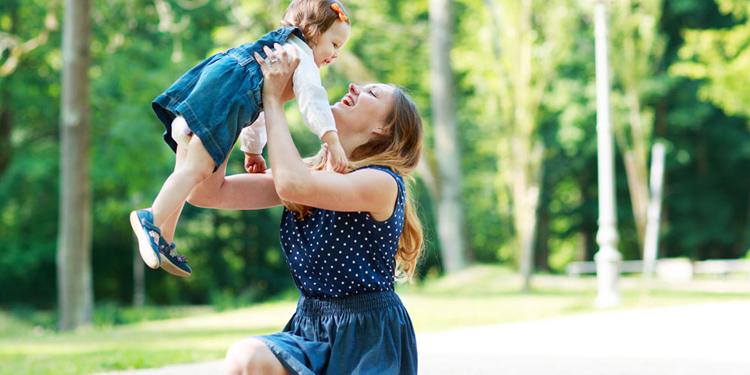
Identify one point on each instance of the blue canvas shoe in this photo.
(173, 262)
(148, 236)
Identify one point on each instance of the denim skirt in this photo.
(361, 334)
(217, 98)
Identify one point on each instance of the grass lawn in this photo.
(481, 295)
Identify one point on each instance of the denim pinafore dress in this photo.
(219, 96)
(349, 320)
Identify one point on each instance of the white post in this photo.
(607, 258)
(651, 243)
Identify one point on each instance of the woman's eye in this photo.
(372, 93)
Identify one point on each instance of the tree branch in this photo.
(17, 48)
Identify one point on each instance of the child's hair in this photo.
(313, 17)
(399, 150)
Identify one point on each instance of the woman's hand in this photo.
(277, 71)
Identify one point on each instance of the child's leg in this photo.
(212, 185)
(170, 225)
(197, 166)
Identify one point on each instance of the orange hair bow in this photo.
(336, 8)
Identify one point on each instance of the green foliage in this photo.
(719, 58)
(710, 155)
(140, 47)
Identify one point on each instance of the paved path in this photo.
(687, 340)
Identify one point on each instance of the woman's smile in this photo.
(348, 100)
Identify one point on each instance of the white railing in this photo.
(704, 267)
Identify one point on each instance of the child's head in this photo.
(324, 24)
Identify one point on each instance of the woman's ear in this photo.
(379, 131)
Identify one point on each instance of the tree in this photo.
(449, 206)
(634, 27)
(530, 43)
(718, 58)
(75, 288)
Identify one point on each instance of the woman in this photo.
(346, 237)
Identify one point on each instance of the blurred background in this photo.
(510, 166)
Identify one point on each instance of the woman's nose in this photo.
(354, 89)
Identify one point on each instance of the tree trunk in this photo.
(747, 230)
(139, 276)
(6, 113)
(541, 258)
(75, 288)
(6, 124)
(526, 217)
(640, 151)
(638, 197)
(450, 208)
(637, 59)
(528, 153)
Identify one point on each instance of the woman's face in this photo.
(362, 112)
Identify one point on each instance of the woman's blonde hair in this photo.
(399, 150)
(313, 17)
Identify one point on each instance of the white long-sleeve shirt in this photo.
(311, 98)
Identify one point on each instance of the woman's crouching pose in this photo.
(347, 238)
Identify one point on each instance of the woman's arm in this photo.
(367, 190)
(246, 191)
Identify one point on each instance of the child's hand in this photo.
(336, 155)
(337, 158)
(254, 163)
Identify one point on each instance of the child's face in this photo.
(330, 42)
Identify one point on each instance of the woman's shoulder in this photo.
(398, 194)
(396, 176)
(383, 168)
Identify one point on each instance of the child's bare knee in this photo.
(203, 171)
(198, 171)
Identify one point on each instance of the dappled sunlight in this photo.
(273, 314)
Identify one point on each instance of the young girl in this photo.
(220, 96)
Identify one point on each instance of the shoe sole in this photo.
(148, 254)
(168, 266)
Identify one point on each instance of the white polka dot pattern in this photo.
(336, 254)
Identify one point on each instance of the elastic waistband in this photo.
(357, 303)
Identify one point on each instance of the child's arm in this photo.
(336, 154)
(368, 190)
(313, 101)
(252, 140)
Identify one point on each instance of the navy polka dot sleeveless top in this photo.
(337, 254)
